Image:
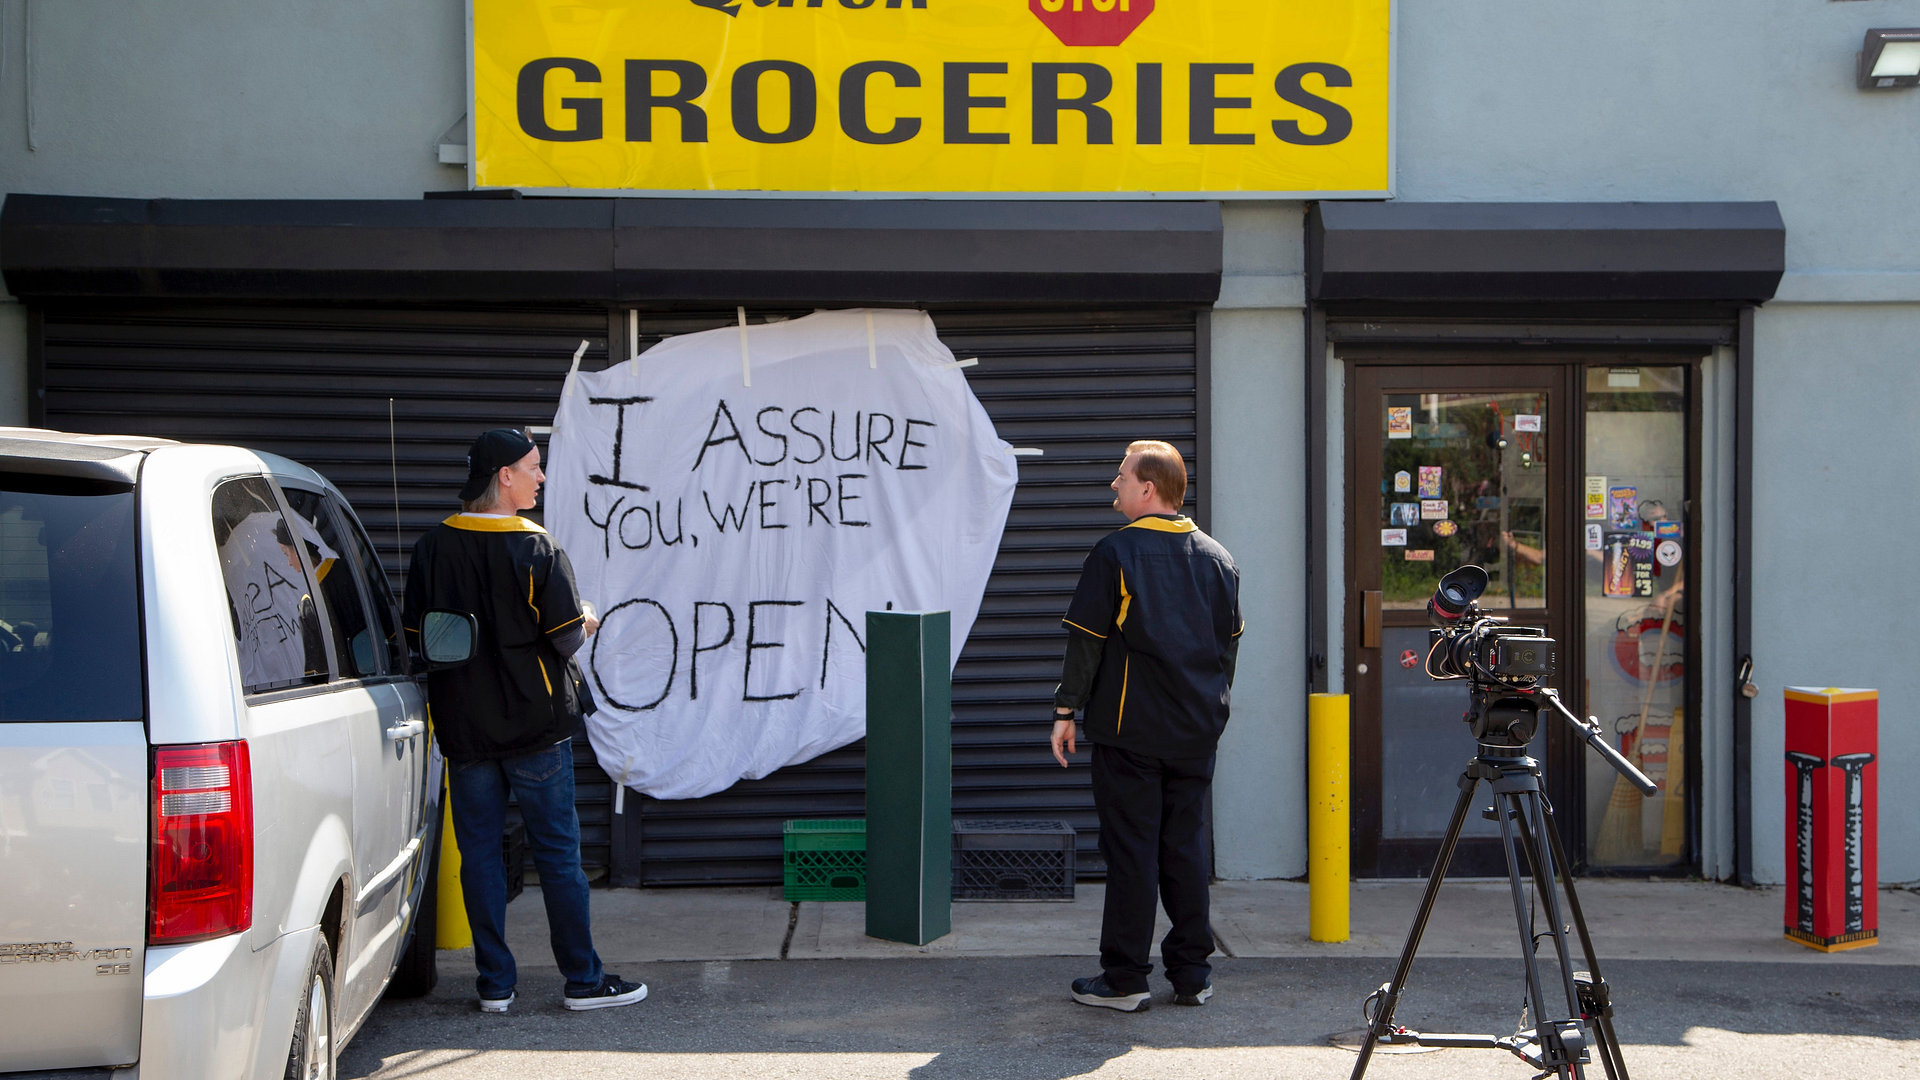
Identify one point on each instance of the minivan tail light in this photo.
(200, 872)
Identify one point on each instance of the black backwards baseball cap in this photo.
(492, 451)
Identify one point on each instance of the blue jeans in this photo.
(542, 781)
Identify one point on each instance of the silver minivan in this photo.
(218, 796)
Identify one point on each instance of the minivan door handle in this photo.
(406, 729)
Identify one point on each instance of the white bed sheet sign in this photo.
(733, 533)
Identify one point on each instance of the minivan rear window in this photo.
(69, 601)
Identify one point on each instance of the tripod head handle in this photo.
(1592, 734)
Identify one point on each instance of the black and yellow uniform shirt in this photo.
(1163, 600)
(515, 695)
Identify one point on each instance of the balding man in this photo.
(1152, 633)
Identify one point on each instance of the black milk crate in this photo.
(1012, 860)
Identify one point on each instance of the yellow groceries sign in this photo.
(1041, 97)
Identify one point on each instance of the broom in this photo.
(1672, 819)
(1620, 840)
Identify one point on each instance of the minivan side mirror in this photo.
(447, 637)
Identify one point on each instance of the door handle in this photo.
(406, 729)
(1370, 618)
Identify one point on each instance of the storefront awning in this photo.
(1521, 252)
(788, 251)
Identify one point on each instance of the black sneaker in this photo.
(1197, 997)
(612, 992)
(1096, 991)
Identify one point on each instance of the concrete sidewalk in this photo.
(1629, 919)
(746, 984)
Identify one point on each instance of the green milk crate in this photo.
(826, 860)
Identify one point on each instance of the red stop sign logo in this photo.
(1091, 22)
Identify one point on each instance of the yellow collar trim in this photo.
(1182, 524)
(476, 523)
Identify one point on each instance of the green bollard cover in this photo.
(909, 776)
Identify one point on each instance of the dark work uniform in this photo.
(1153, 631)
(504, 720)
(515, 695)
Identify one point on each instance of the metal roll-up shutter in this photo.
(313, 384)
(1078, 384)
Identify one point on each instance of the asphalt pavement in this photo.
(744, 983)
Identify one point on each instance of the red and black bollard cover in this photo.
(1832, 745)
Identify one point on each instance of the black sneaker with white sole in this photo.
(1096, 991)
(1196, 997)
(612, 992)
(497, 1005)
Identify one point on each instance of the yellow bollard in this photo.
(1329, 869)
(452, 930)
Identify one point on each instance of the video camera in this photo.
(1504, 663)
(1467, 643)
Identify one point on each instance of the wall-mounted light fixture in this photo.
(1889, 59)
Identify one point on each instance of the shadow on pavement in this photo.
(1010, 1017)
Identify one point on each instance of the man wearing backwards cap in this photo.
(505, 719)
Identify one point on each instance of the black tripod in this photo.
(1558, 1047)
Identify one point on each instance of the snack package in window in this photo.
(1616, 566)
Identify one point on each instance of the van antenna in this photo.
(393, 462)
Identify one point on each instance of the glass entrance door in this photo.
(1449, 465)
(1637, 547)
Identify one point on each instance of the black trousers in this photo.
(1152, 815)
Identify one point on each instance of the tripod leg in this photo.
(1602, 1003)
(1608, 1044)
(1508, 808)
(1542, 862)
(1382, 1018)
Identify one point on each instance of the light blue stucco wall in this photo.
(1652, 100)
(1258, 470)
(313, 99)
(1836, 585)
